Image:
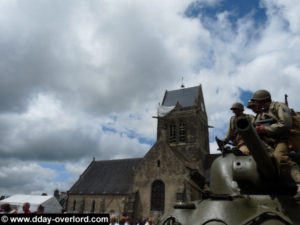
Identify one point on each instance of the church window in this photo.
(182, 131)
(172, 136)
(102, 205)
(93, 206)
(158, 196)
(74, 205)
(158, 163)
(82, 206)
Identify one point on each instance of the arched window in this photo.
(172, 136)
(93, 206)
(182, 131)
(158, 196)
(74, 205)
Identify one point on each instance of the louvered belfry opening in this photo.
(172, 136)
(182, 131)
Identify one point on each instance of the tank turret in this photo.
(243, 190)
(265, 165)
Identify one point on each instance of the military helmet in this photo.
(261, 95)
(237, 105)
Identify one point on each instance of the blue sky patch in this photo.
(113, 117)
(60, 169)
(133, 135)
(137, 117)
(144, 140)
(237, 9)
(109, 129)
(245, 96)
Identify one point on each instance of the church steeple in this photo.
(185, 122)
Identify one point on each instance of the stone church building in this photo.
(150, 186)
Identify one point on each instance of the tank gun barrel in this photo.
(265, 165)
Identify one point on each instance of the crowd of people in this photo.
(126, 220)
(6, 208)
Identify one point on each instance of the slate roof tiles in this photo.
(185, 97)
(107, 177)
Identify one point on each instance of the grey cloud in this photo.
(26, 177)
(28, 60)
(43, 54)
(45, 140)
(62, 146)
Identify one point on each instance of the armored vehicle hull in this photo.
(233, 207)
(244, 190)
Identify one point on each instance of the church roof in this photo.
(107, 177)
(185, 97)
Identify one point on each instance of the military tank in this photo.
(244, 190)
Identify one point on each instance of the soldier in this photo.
(232, 134)
(276, 135)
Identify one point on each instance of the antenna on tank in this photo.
(182, 85)
(286, 99)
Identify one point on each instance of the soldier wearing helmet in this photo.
(276, 135)
(232, 133)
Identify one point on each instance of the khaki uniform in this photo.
(277, 134)
(232, 134)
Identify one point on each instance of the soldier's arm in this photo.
(230, 132)
(284, 122)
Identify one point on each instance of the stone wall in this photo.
(102, 203)
(160, 163)
(196, 144)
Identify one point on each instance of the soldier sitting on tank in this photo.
(232, 133)
(276, 134)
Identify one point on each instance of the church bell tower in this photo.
(183, 119)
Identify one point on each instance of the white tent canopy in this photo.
(50, 203)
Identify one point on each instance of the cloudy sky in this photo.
(83, 78)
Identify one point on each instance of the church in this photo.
(149, 186)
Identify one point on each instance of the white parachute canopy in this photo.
(164, 110)
(50, 203)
